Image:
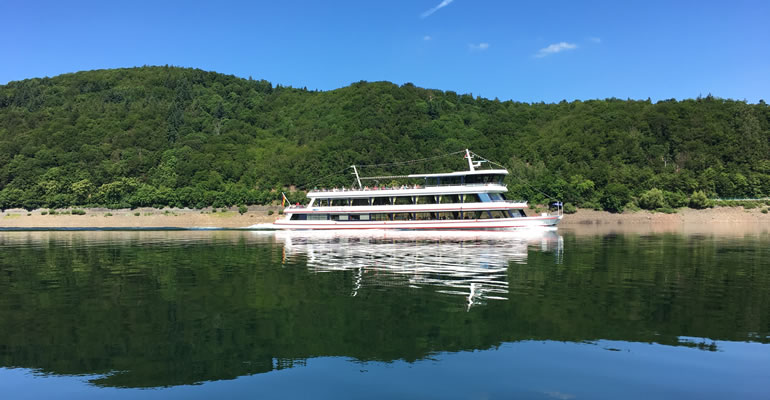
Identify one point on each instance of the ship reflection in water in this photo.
(470, 264)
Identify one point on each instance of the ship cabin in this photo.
(456, 195)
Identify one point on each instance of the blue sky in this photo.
(521, 50)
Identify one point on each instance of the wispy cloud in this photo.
(595, 39)
(441, 5)
(479, 47)
(426, 38)
(555, 48)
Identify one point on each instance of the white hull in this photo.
(468, 224)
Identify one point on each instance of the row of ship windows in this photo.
(411, 216)
(400, 200)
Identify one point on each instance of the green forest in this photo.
(180, 137)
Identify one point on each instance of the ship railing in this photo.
(402, 187)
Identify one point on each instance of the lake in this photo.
(238, 314)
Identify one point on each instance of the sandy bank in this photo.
(586, 220)
(139, 218)
(721, 220)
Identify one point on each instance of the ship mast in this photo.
(358, 178)
(470, 161)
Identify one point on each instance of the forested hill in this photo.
(185, 137)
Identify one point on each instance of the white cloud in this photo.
(441, 5)
(426, 38)
(555, 48)
(479, 47)
(595, 39)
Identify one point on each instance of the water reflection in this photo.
(469, 264)
(154, 309)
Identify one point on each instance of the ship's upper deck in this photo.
(488, 181)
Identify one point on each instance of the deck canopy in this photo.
(449, 178)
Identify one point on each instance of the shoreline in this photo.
(583, 219)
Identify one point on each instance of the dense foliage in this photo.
(155, 136)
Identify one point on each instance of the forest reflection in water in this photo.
(152, 309)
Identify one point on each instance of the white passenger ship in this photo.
(463, 200)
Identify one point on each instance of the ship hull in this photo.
(467, 224)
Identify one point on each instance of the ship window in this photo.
(497, 214)
(449, 198)
(471, 198)
(424, 216)
(516, 213)
(482, 179)
(426, 199)
(361, 202)
(299, 217)
(484, 197)
(380, 217)
(431, 181)
(449, 215)
(404, 200)
(496, 197)
(339, 202)
(317, 217)
(362, 217)
(402, 216)
(451, 180)
(381, 201)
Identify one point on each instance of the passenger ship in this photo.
(462, 200)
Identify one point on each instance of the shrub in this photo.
(666, 210)
(43, 212)
(594, 205)
(108, 215)
(748, 205)
(764, 211)
(242, 209)
(615, 197)
(569, 208)
(52, 211)
(652, 199)
(269, 212)
(675, 199)
(631, 206)
(698, 200)
(214, 210)
(78, 211)
(280, 212)
(136, 214)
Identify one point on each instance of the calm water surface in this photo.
(384, 315)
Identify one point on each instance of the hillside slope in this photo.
(185, 137)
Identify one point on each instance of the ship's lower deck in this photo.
(452, 224)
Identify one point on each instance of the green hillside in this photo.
(155, 136)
